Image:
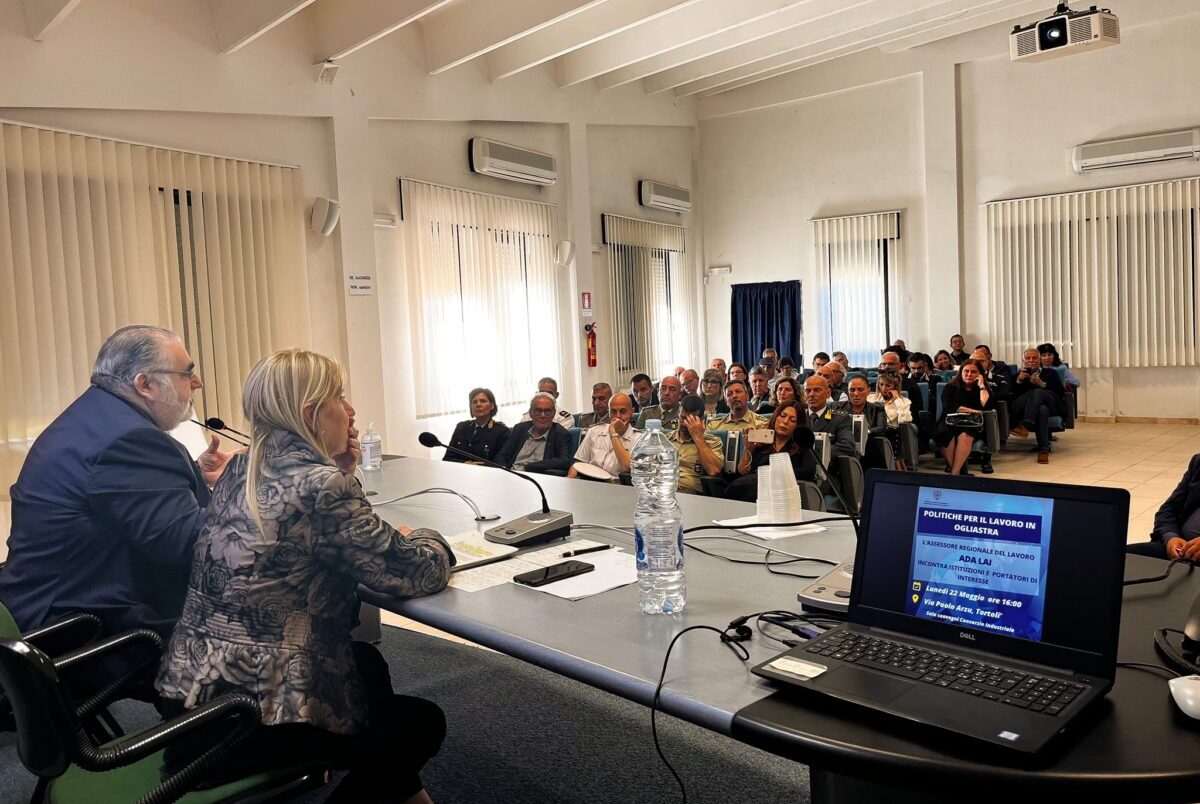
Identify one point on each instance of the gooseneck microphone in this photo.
(219, 424)
(207, 425)
(811, 440)
(536, 528)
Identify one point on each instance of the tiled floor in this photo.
(1146, 459)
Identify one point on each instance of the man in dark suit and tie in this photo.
(107, 506)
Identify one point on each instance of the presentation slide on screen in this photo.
(979, 561)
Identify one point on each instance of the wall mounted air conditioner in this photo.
(656, 195)
(511, 162)
(1144, 150)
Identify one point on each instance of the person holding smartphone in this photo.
(966, 393)
(787, 421)
(895, 409)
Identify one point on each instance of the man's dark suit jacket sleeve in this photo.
(558, 452)
(1168, 522)
(146, 487)
(508, 454)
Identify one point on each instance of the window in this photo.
(1107, 275)
(859, 259)
(653, 296)
(96, 234)
(484, 291)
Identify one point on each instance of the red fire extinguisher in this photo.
(590, 329)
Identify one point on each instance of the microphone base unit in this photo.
(536, 528)
(830, 592)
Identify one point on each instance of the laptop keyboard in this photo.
(992, 682)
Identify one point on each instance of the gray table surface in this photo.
(605, 641)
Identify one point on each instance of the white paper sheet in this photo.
(767, 533)
(470, 547)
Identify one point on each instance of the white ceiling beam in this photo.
(1012, 11)
(468, 29)
(720, 41)
(349, 25)
(835, 45)
(238, 23)
(43, 16)
(690, 25)
(885, 14)
(585, 28)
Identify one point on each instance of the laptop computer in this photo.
(988, 608)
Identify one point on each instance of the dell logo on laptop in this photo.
(966, 635)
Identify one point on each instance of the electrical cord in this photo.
(733, 643)
(1177, 658)
(816, 521)
(766, 559)
(1166, 572)
(1146, 666)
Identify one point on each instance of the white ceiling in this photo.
(680, 47)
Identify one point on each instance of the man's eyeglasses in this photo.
(187, 374)
(542, 412)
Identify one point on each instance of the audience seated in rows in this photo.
(601, 393)
(670, 391)
(540, 444)
(482, 435)
(892, 361)
(608, 446)
(968, 393)
(786, 422)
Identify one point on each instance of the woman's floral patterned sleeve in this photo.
(351, 536)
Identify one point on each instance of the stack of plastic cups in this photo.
(786, 505)
(764, 496)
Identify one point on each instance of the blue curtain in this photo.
(765, 314)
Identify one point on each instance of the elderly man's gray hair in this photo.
(128, 352)
(542, 395)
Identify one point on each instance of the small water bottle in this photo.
(372, 448)
(658, 523)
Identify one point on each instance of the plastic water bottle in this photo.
(658, 523)
(371, 445)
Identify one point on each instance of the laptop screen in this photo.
(1028, 570)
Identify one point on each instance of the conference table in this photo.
(1134, 745)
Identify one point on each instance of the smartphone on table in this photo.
(555, 572)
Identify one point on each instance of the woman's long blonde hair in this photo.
(277, 391)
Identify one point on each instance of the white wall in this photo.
(971, 127)
(765, 174)
(149, 70)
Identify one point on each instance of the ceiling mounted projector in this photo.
(1063, 33)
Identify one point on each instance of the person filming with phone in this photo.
(782, 434)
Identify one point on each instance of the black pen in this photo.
(597, 549)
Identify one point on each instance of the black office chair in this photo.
(71, 767)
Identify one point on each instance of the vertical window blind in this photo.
(859, 260)
(484, 286)
(653, 293)
(96, 234)
(1107, 275)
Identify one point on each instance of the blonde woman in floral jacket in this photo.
(271, 600)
